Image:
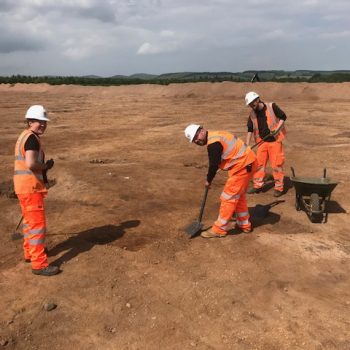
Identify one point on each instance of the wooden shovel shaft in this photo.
(203, 204)
(20, 221)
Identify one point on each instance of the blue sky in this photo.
(109, 37)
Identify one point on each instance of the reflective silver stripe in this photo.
(19, 158)
(239, 215)
(233, 161)
(229, 196)
(36, 241)
(224, 227)
(28, 172)
(26, 235)
(242, 222)
(23, 172)
(222, 221)
(230, 145)
(37, 231)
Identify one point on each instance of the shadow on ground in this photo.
(261, 215)
(83, 241)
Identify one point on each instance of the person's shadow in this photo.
(83, 241)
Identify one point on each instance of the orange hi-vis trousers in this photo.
(233, 201)
(272, 151)
(34, 228)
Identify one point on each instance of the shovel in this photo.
(261, 141)
(196, 227)
(16, 235)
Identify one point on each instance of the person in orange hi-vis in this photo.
(266, 122)
(229, 153)
(29, 183)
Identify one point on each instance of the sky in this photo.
(112, 37)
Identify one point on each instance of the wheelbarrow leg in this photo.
(326, 209)
(297, 202)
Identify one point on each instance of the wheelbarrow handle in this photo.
(203, 204)
(293, 172)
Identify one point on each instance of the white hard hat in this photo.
(250, 97)
(37, 112)
(191, 130)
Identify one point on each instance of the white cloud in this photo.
(110, 37)
(147, 48)
(167, 34)
(337, 35)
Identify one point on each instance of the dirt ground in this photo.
(128, 182)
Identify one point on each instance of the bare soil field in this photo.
(127, 182)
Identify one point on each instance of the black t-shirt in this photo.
(32, 144)
(214, 153)
(262, 122)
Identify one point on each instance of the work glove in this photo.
(49, 164)
(274, 132)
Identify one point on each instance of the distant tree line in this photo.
(190, 77)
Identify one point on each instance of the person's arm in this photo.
(214, 154)
(250, 131)
(281, 116)
(31, 158)
(278, 112)
(31, 148)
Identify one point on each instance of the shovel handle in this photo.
(20, 221)
(203, 204)
(261, 141)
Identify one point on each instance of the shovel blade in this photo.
(15, 236)
(194, 229)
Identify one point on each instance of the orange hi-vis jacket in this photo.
(235, 155)
(25, 180)
(272, 122)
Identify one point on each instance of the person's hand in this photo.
(207, 184)
(49, 164)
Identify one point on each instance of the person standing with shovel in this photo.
(29, 183)
(229, 153)
(266, 122)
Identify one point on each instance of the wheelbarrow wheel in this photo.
(315, 203)
(315, 206)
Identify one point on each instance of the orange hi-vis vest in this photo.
(272, 122)
(26, 180)
(236, 154)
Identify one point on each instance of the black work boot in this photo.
(253, 190)
(278, 193)
(47, 271)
